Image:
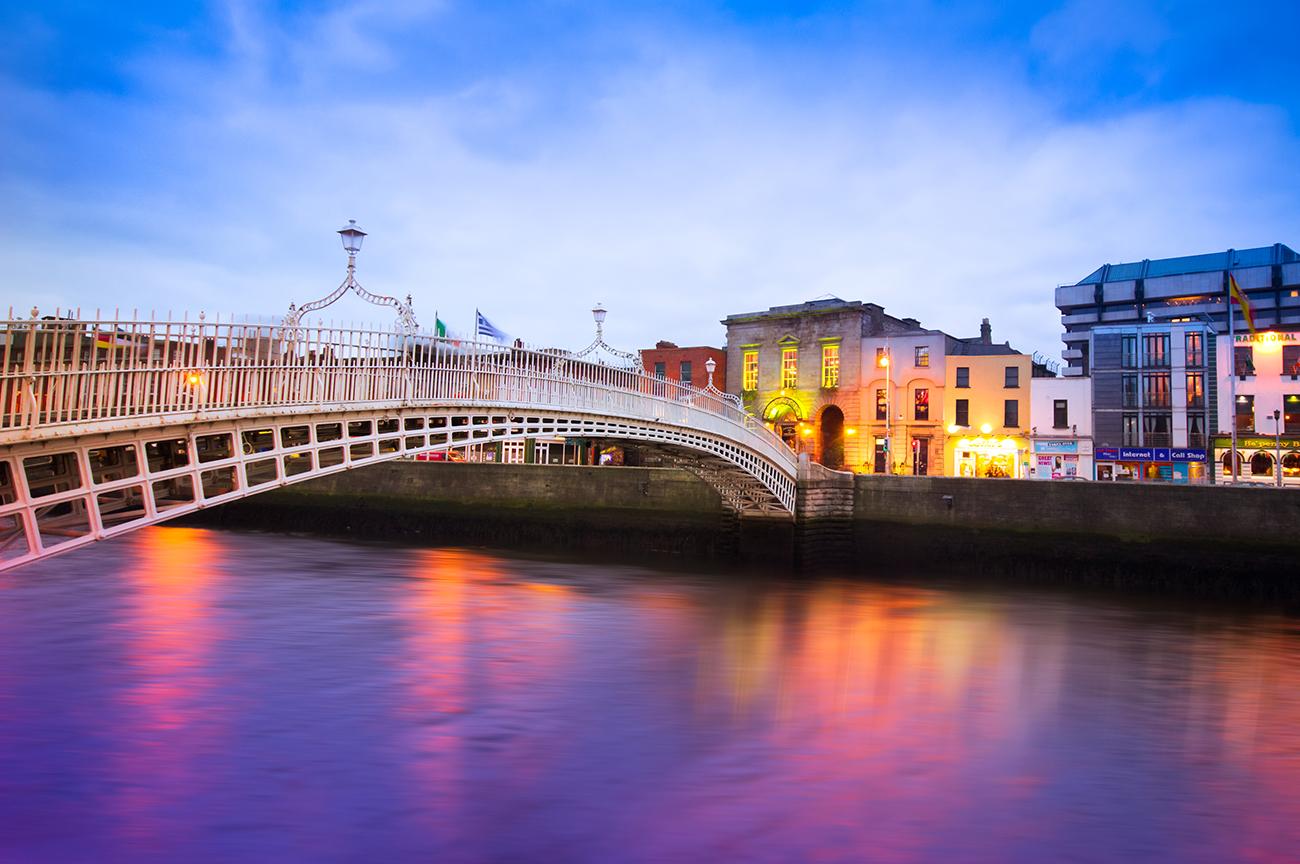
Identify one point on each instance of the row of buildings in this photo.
(1155, 383)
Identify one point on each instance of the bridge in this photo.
(110, 425)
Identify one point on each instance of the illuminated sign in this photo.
(1271, 337)
(1056, 446)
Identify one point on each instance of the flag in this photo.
(484, 327)
(439, 328)
(110, 339)
(1234, 290)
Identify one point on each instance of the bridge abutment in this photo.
(823, 535)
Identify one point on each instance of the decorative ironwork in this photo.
(352, 236)
(627, 359)
(82, 401)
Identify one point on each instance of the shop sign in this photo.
(1111, 453)
(1268, 337)
(1256, 442)
(1056, 446)
(1135, 454)
(1183, 454)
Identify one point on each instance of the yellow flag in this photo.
(1237, 294)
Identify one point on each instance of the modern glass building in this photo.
(1193, 288)
(1147, 334)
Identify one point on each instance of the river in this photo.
(189, 695)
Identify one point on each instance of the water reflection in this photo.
(244, 697)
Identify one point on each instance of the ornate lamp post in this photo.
(627, 358)
(352, 237)
(709, 366)
(889, 396)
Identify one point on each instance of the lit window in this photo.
(830, 366)
(922, 355)
(921, 404)
(749, 371)
(789, 367)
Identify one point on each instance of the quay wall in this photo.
(657, 512)
(1242, 542)
(1204, 539)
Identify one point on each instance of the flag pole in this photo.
(1232, 369)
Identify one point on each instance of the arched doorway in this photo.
(832, 437)
(783, 417)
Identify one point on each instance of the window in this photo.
(1195, 343)
(880, 358)
(921, 403)
(882, 405)
(749, 370)
(830, 366)
(1130, 430)
(1243, 360)
(1291, 360)
(1245, 414)
(1011, 413)
(1060, 413)
(962, 412)
(963, 376)
(922, 355)
(1195, 389)
(1130, 385)
(661, 370)
(1291, 465)
(1155, 349)
(789, 367)
(1155, 390)
(1195, 430)
(1291, 413)
(1012, 377)
(684, 371)
(1156, 430)
(1261, 464)
(1129, 352)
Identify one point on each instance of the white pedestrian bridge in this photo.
(107, 426)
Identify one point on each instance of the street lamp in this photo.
(352, 237)
(889, 410)
(710, 365)
(1277, 432)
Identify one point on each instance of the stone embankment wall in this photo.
(1211, 539)
(634, 512)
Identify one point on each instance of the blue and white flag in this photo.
(484, 327)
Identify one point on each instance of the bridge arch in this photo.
(96, 443)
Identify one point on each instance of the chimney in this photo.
(986, 332)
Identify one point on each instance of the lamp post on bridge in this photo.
(1277, 436)
(352, 236)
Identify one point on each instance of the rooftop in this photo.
(1230, 259)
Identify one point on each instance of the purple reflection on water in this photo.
(184, 695)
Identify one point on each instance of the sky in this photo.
(677, 162)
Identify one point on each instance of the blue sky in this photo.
(677, 161)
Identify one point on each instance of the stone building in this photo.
(801, 369)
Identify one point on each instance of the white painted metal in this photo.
(84, 405)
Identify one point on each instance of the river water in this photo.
(189, 695)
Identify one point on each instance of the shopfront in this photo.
(1181, 465)
(991, 457)
(1061, 460)
(1258, 457)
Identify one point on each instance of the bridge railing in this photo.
(60, 373)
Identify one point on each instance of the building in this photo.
(986, 401)
(902, 397)
(1154, 392)
(801, 369)
(1178, 290)
(686, 365)
(1260, 397)
(1060, 428)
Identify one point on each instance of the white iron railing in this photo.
(61, 376)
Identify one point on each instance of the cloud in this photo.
(683, 176)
